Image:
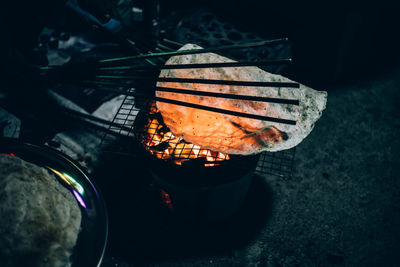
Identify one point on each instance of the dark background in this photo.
(332, 40)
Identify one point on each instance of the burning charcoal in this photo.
(160, 142)
(198, 162)
(161, 147)
(164, 129)
(156, 116)
(183, 141)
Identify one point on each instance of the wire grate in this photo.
(159, 141)
(122, 125)
(276, 163)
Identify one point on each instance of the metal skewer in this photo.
(201, 65)
(230, 96)
(172, 42)
(197, 51)
(218, 110)
(211, 94)
(203, 81)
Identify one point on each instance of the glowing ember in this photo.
(8, 154)
(165, 197)
(160, 141)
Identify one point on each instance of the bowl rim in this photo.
(74, 164)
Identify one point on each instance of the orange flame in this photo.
(160, 141)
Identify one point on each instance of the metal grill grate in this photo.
(272, 163)
(160, 142)
(277, 163)
(122, 124)
(153, 135)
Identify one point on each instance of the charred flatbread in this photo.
(233, 134)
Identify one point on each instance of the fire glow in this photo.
(160, 142)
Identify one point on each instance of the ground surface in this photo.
(342, 205)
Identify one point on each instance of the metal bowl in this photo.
(92, 238)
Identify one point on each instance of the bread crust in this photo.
(232, 134)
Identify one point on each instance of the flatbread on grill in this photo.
(39, 218)
(233, 134)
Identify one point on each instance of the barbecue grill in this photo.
(194, 181)
(134, 111)
(138, 131)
